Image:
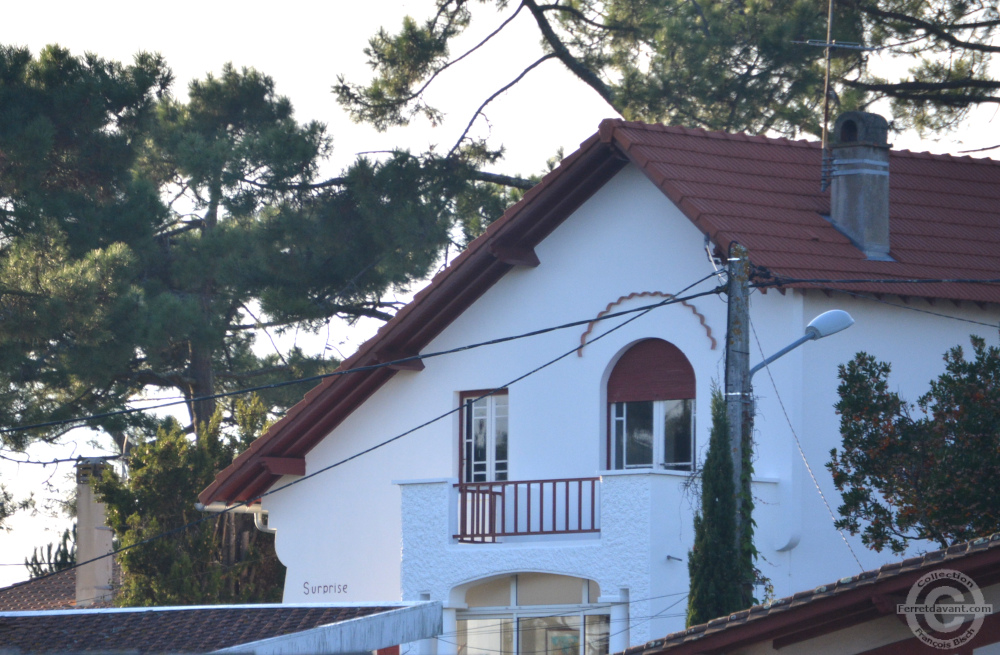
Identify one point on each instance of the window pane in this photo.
(548, 589)
(619, 446)
(484, 637)
(596, 637)
(549, 635)
(677, 434)
(495, 593)
(594, 591)
(639, 434)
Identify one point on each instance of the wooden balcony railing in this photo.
(490, 510)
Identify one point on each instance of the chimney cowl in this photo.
(859, 190)
(860, 128)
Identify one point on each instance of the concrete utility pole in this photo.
(737, 367)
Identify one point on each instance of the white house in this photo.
(547, 504)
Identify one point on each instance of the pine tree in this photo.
(146, 242)
(715, 64)
(717, 571)
(224, 560)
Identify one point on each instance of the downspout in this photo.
(259, 513)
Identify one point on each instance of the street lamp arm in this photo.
(781, 353)
(824, 325)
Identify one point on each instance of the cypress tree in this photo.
(714, 566)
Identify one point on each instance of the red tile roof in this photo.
(164, 630)
(830, 607)
(52, 593)
(764, 193)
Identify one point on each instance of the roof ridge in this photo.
(939, 156)
(712, 134)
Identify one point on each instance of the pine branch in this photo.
(503, 180)
(560, 50)
(942, 32)
(580, 16)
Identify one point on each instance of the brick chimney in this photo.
(93, 538)
(859, 192)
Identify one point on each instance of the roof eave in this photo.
(453, 290)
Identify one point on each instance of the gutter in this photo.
(259, 513)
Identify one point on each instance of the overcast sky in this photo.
(304, 45)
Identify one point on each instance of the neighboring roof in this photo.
(828, 608)
(53, 592)
(764, 193)
(252, 628)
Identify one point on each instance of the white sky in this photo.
(304, 45)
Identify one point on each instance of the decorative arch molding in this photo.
(645, 294)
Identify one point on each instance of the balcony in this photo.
(490, 511)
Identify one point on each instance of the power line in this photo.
(913, 309)
(370, 367)
(638, 313)
(630, 622)
(780, 280)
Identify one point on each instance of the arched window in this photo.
(651, 394)
(532, 614)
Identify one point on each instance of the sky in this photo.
(304, 45)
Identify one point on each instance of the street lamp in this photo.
(824, 325)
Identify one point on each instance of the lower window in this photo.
(580, 634)
(533, 614)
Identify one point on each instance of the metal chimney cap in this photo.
(857, 128)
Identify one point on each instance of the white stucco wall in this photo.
(345, 526)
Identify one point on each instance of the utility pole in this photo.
(739, 409)
(738, 363)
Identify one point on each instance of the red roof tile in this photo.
(830, 607)
(764, 193)
(54, 592)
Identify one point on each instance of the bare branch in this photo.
(503, 180)
(266, 332)
(253, 374)
(493, 97)
(962, 152)
(333, 181)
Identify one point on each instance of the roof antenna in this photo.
(827, 165)
(828, 45)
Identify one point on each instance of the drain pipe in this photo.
(259, 513)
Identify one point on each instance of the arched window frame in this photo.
(651, 409)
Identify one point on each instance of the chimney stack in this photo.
(93, 537)
(859, 192)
